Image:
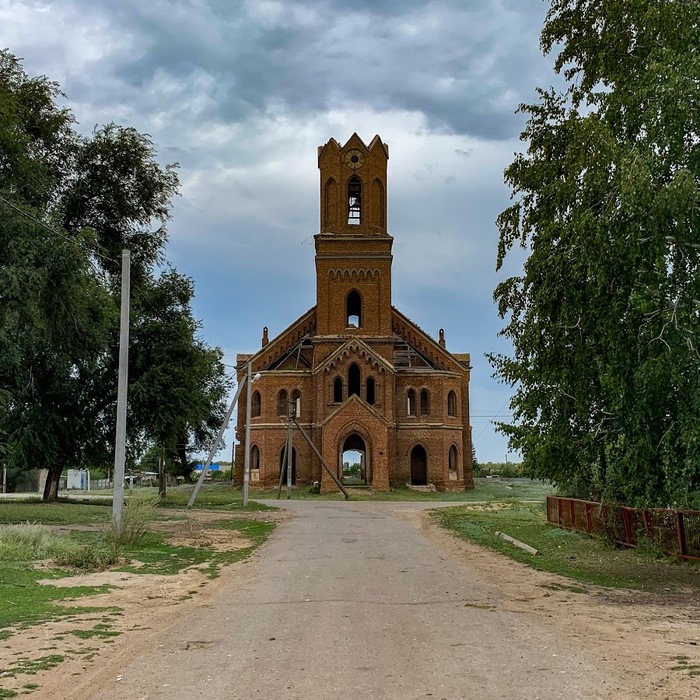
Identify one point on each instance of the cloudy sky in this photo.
(241, 92)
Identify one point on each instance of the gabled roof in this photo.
(343, 406)
(427, 346)
(286, 341)
(351, 345)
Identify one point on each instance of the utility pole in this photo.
(120, 437)
(248, 411)
(161, 472)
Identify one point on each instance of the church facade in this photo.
(362, 378)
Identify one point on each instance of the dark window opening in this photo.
(411, 402)
(452, 404)
(255, 457)
(354, 200)
(370, 391)
(337, 390)
(256, 405)
(295, 404)
(424, 403)
(354, 380)
(282, 407)
(453, 459)
(353, 310)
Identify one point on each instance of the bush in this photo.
(137, 514)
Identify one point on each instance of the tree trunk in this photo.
(51, 486)
(184, 462)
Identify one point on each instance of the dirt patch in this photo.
(134, 609)
(653, 640)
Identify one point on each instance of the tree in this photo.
(179, 385)
(68, 205)
(604, 319)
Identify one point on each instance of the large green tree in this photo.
(68, 205)
(605, 318)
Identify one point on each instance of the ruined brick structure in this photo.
(362, 376)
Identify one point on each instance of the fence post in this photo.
(680, 527)
(559, 512)
(589, 522)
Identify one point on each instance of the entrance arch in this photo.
(354, 461)
(419, 466)
(283, 466)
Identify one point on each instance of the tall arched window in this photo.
(353, 310)
(255, 457)
(452, 404)
(369, 391)
(282, 407)
(424, 403)
(337, 390)
(354, 200)
(453, 459)
(296, 401)
(256, 403)
(411, 402)
(354, 380)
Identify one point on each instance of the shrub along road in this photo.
(362, 599)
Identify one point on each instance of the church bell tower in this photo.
(353, 248)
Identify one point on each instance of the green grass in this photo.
(158, 557)
(213, 497)
(484, 490)
(576, 556)
(31, 666)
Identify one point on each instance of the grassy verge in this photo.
(484, 490)
(576, 556)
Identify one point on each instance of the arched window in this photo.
(424, 403)
(353, 310)
(452, 404)
(453, 459)
(296, 402)
(354, 380)
(411, 402)
(354, 200)
(337, 390)
(369, 391)
(256, 403)
(282, 407)
(255, 457)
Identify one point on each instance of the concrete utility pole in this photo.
(246, 461)
(120, 437)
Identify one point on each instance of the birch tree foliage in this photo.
(605, 317)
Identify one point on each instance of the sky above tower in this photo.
(240, 94)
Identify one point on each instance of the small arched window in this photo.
(255, 457)
(411, 402)
(256, 404)
(369, 392)
(453, 459)
(354, 380)
(354, 200)
(295, 398)
(424, 403)
(452, 404)
(337, 390)
(282, 407)
(353, 310)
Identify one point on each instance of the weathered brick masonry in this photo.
(363, 376)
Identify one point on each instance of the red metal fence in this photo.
(677, 531)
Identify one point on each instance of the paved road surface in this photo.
(350, 600)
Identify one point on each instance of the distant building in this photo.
(362, 376)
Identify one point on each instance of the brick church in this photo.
(366, 382)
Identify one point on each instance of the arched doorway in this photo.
(283, 466)
(354, 461)
(419, 466)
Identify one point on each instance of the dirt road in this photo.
(353, 600)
